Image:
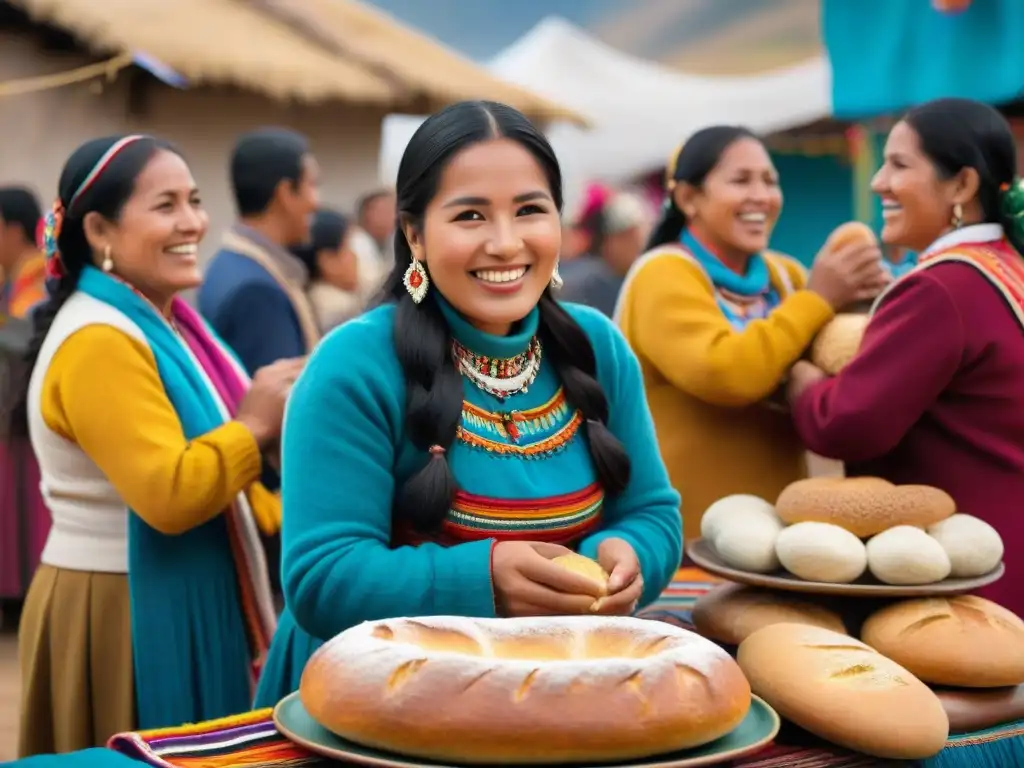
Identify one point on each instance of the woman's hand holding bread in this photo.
(848, 269)
(538, 579)
(527, 581)
(625, 584)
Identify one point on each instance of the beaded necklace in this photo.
(500, 377)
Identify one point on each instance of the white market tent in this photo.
(640, 110)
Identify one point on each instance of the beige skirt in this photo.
(75, 647)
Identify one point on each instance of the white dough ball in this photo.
(821, 552)
(733, 511)
(905, 556)
(973, 546)
(750, 546)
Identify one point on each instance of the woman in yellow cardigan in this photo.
(717, 321)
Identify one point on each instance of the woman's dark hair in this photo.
(423, 340)
(106, 195)
(691, 165)
(328, 232)
(960, 133)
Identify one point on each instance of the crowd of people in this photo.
(476, 383)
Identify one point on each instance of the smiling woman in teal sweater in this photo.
(441, 449)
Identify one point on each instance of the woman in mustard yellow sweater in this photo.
(717, 321)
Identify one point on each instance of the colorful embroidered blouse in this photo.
(522, 465)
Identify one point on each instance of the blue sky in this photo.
(481, 28)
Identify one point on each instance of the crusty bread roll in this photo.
(730, 613)
(840, 689)
(905, 555)
(974, 547)
(750, 546)
(742, 529)
(965, 641)
(821, 552)
(512, 691)
(585, 567)
(733, 511)
(838, 342)
(862, 505)
(850, 233)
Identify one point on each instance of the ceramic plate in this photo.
(703, 555)
(756, 731)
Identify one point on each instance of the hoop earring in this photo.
(556, 279)
(416, 281)
(108, 263)
(958, 216)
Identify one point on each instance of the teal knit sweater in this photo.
(345, 453)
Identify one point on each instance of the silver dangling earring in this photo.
(958, 216)
(108, 263)
(556, 279)
(416, 281)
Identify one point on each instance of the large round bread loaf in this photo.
(844, 691)
(730, 613)
(965, 641)
(862, 505)
(544, 690)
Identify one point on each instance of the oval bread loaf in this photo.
(862, 505)
(844, 691)
(732, 612)
(821, 552)
(532, 690)
(906, 555)
(974, 547)
(963, 641)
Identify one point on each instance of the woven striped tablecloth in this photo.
(252, 740)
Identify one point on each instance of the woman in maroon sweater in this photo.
(936, 394)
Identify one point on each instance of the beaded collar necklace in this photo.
(500, 377)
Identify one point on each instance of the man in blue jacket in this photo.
(253, 293)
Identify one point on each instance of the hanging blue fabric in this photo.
(888, 55)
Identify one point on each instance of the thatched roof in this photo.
(305, 50)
